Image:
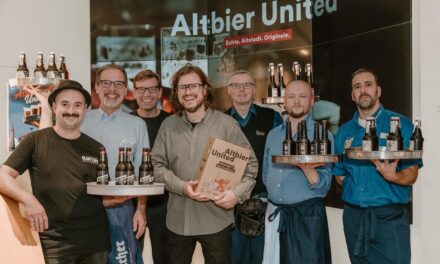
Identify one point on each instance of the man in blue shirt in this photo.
(296, 223)
(255, 122)
(376, 193)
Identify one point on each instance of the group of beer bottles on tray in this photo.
(303, 146)
(40, 71)
(394, 140)
(125, 171)
(278, 90)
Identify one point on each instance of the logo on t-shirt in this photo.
(88, 159)
(347, 143)
(259, 133)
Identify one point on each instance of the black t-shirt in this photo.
(153, 124)
(59, 169)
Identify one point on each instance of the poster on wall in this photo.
(24, 112)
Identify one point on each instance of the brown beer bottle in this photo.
(288, 143)
(281, 85)
(130, 168)
(272, 89)
(416, 140)
(40, 71)
(146, 169)
(314, 145)
(64, 74)
(22, 70)
(370, 141)
(296, 68)
(325, 146)
(121, 169)
(309, 74)
(52, 70)
(394, 139)
(302, 143)
(102, 175)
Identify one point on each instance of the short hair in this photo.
(362, 70)
(240, 72)
(185, 70)
(111, 66)
(145, 75)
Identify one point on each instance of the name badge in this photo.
(259, 133)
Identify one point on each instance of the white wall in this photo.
(63, 26)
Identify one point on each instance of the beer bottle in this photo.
(22, 70)
(296, 68)
(130, 168)
(121, 169)
(416, 140)
(375, 139)
(288, 144)
(367, 140)
(40, 71)
(146, 168)
(309, 74)
(314, 145)
(64, 74)
(394, 139)
(272, 89)
(281, 85)
(325, 146)
(52, 70)
(102, 176)
(303, 143)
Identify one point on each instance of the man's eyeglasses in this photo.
(107, 83)
(142, 90)
(193, 87)
(237, 86)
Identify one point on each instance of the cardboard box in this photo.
(221, 168)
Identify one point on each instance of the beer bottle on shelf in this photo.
(416, 140)
(281, 85)
(309, 74)
(303, 143)
(394, 139)
(146, 168)
(288, 144)
(130, 168)
(64, 74)
(325, 146)
(22, 70)
(121, 169)
(314, 145)
(102, 176)
(52, 70)
(272, 89)
(296, 68)
(367, 140)
(39, 71)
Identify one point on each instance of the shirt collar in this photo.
(208, 114)
(252, 110)
(376, 114)
(104, 116)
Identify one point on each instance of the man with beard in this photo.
(255, 122)
(148, 91)
(376, 193)
(177, 154)
(296, 221)
(72, 225)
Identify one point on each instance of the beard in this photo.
(194, 109)
(366, 104)
(297, 115)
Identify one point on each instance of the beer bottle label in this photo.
(323, 148)
(51, 74)
(392, 145)
(39, 74)
(313, 149)
(286, 149)
(145, 179)
(275, 92)
(411, 144)
(130, 179)
(20, 74)
(102, 179)
(367, 145)
(302, 149)
(121, 179)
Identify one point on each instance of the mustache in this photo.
(366, 95)
(70, 115)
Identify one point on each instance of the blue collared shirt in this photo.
(287, 184)
(363, 184)
(119, 129)
(277, 119)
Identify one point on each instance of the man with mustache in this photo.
(148, 91)
(376, 193)
(255, 122)
(115, 128)
(72, 225)
(296, 222)
(177, 153)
